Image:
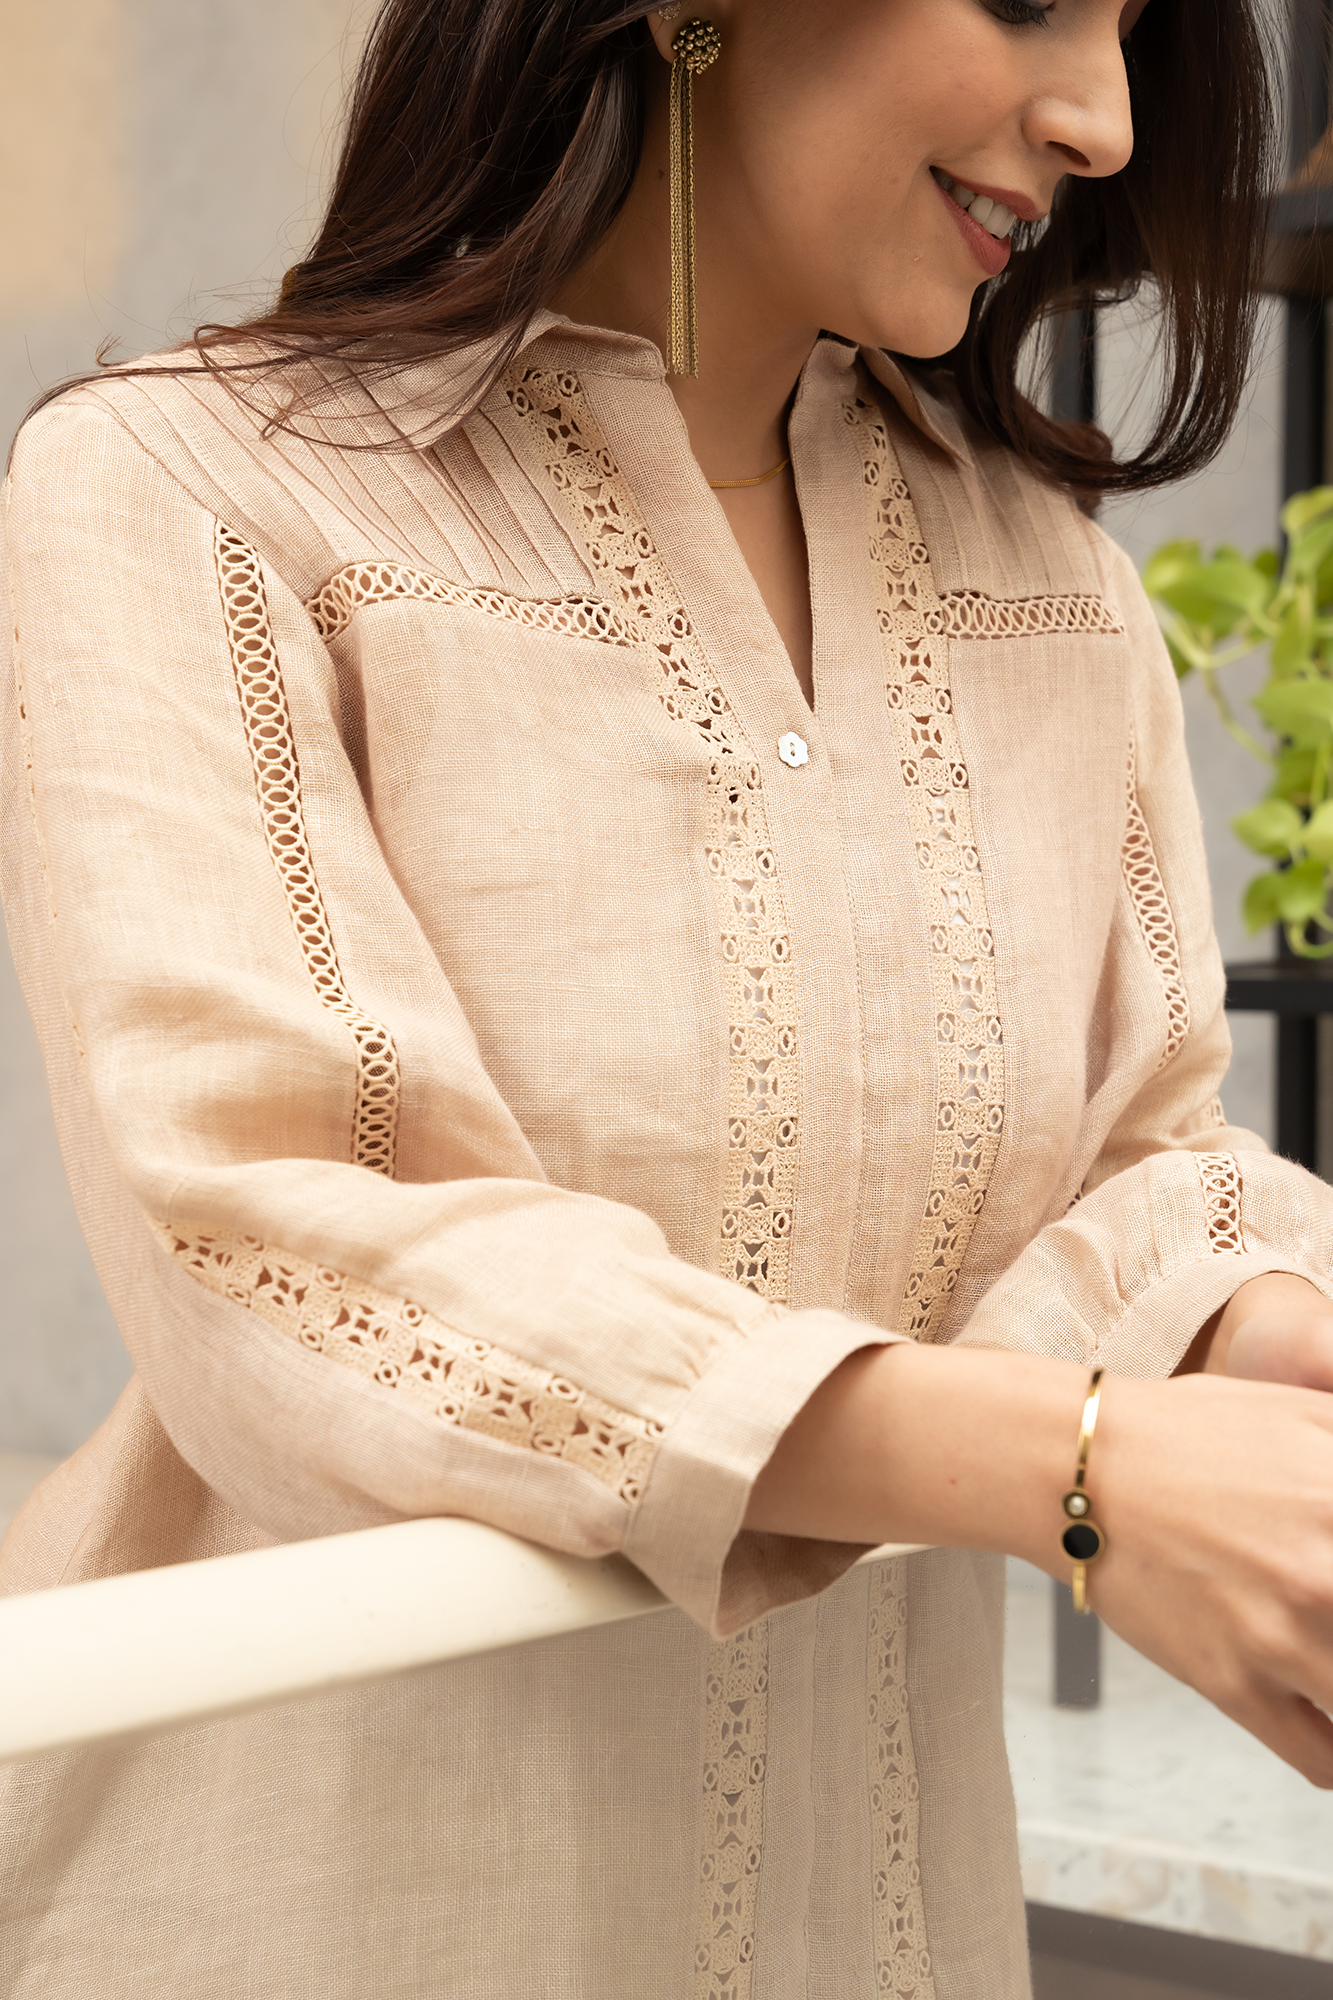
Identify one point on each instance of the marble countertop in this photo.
(1155, 1807)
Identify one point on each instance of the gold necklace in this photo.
(761, 479)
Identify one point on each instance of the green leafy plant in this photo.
(1214, 612)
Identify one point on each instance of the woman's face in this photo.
(836, 139)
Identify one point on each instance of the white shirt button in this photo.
(793, 750)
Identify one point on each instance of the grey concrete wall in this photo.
(160, 162)
(155, 154)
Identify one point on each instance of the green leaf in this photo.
(1310, 548)
(1267, 562)
(1210, 595)
(1166, 565)
(1300, 710)
(1294, 643)
(1259, 906)
(1271, 828)
(1302, 891)
(1302, 508)
(1318, 835)
(1231, 581)
(1294, 774)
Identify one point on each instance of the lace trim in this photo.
(1147, 893)
(268, 732)
(1215, 1115)
(970, 614)
(764, 1087)
(902, 1956)
(735, 1758)
(969, 1117)
(1219, 1177)
(763, 1129)
(334, 607)
(385, 1339)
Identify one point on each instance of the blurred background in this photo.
(161, 163)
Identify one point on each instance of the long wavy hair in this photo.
(490, 144)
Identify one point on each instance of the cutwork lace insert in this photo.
(334, 607)
(568, 449)
(1219, 1177)
(461, 1382)
(968, 1121)
(970, 614)
(735, 1757)
(763, 1122)
(1147, 893)
(268, 732)
(901, 1951)
(969, 1115)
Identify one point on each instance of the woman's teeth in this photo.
(992, 215)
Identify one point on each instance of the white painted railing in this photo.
(142, 1652)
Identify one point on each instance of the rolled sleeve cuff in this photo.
(686, 1533)
(1130, 1275)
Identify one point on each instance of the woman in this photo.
(668, 1020)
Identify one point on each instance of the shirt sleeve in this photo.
(349, 1289)
(1177, 1208)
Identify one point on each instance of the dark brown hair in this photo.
(490, 143)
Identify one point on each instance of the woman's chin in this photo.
(922, 334)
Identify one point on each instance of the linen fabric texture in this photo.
(493, 1082)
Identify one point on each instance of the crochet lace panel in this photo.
(970, 614)
(1219, 1177)
(1147, 894)
(969, 1047)
(334, 607)
(460, 1382)
(902, 1954)
(268, 732)
(764, 1085)
(731, 1848)
(566, 447)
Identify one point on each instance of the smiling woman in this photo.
(689, 1024)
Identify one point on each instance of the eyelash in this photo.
(1020, 13)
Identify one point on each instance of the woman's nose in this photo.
(1083, 112)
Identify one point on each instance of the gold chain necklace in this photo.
(761, 479)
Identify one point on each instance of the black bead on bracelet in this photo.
(1083, 1541)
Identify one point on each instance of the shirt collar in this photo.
(408, 395)
(632, 354)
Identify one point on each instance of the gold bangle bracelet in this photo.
(1083, 1541)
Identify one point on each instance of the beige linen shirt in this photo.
(497, 1079)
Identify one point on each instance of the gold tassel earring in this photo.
(695, 49)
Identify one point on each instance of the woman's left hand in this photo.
(1277, 1328)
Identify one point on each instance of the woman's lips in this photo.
(989, 251)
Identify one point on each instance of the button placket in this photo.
(793, 750)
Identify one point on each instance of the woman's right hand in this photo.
(1215, 1495)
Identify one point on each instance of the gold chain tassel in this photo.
(696, 48)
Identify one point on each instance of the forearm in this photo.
(968, 1448)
